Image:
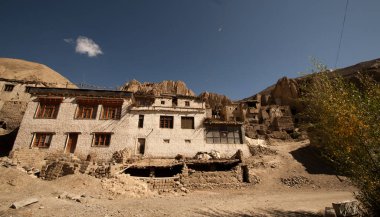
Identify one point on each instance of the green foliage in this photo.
(345, 124)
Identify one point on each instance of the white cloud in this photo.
(68, 40)
(87, 46)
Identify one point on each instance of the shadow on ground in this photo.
(263, 213)
(311, 159)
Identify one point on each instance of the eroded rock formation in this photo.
(164, 87)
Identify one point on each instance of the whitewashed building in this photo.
(100, 122)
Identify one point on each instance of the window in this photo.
(166, 140)
(47, 110)
(8, 87)
(27, 89)
(224, 135)
(102, 140)
(187, 122)
(86, 111)
(42, 140)
(111, 112)
(162, 102)
(175, 101)
(187, 103)
(166, 122)
(141, 121)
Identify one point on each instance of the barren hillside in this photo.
(29, 71)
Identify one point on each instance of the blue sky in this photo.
(236, 48)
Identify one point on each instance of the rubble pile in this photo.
(296, 181)
(261, 150)
(123, 184)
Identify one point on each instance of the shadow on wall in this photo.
(268, 213)
(312, 160)
(6, 142)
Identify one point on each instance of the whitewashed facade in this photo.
(99, 123)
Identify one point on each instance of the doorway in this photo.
(141, 146)
(71, 143)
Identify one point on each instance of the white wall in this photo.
(125, 131)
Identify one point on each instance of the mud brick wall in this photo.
(29, 157)
(56, 169)
(212, 179)
(162, 185)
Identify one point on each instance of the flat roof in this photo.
(48, 91)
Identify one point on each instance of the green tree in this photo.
(344, 122)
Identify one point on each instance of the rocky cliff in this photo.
(16, 69)
(287, 90)
(164, 87)
(215, 101)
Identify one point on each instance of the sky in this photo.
(236, 48)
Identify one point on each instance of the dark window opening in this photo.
(166, 122)
(162, 102)
(27, 89)
(102, 140)
(8, 87)
(141, 121)
(175, 101)
(252, 104)
(187, 103)
(187, 122)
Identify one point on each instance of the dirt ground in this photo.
(309, 187)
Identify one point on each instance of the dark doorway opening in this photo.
(7, 142)
(141, 146)
(71, 143)
(245, 172)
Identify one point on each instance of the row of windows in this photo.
(168, 122)
(50, 110)
(9, 88)
(43, 140)
(175, 102)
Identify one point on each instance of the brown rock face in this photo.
(285, 91)
(215, 101)
(22, 70)
(164, 87)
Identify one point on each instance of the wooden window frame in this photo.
(224, 135)
(184, 124)
(111, 112)
(86, 111)
(47, 110)
(42, 140)
(166, 122)
(101, 140)
(9, 87)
